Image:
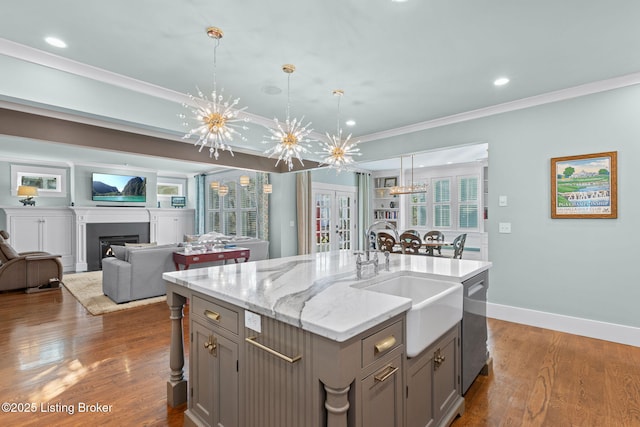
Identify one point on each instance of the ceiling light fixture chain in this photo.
(338, 153)
(218, 120)
(291, 137)
(408, 189)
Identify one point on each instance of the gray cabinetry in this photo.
(433, 383)
(382, 383)
(214, 362)
(381, 395)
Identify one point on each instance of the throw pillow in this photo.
(119, 251)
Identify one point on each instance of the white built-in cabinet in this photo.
(170, 225)
(41, 229)
(62, 231)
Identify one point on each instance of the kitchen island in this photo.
(299, 341)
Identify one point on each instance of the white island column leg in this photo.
(177, 385)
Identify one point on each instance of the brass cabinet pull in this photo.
(212, 345)
(385, 373)
(385, 344)
(252, 341)
(438, 359)
(212, 315)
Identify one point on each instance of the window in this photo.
(418, 209)
(168, 189)
(236, 213)
(442, 202)
(468, 202)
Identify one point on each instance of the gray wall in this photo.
(79, 185)
(580, 268)
(574, 267)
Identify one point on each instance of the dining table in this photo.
(430, 245)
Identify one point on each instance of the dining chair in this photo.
(411, 243)
(458, 246)
(437, 236)
(386, 242)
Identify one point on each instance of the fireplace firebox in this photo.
(100, 237)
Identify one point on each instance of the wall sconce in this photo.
(244, 180)
(267, 188)
(28, 193)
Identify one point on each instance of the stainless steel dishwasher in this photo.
(475, 353)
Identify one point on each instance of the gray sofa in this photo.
(136, 272)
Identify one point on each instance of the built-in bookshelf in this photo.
(385, 205)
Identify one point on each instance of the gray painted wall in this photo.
(581, 268)
(79, 183)
(574, 267)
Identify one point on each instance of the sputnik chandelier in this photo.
(338, 153)
(218, 119)
(291, 136)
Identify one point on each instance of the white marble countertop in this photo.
(316, 292)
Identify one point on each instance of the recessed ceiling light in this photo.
(501, 81)
(56, 42)
(350, 122)
(271, 90)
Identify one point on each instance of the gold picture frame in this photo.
(585, 186)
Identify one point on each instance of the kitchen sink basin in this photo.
(436, 306)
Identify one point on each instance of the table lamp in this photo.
(28, 193)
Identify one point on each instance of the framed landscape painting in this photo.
(584, 186)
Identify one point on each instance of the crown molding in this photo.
(36, 56)
(56, 62)
(520, 104)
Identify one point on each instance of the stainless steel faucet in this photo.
(367, 249)
(360, 263)
(367, 234)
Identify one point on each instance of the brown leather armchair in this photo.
(31, 270)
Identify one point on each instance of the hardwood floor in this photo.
(547, 378)
(57, 356)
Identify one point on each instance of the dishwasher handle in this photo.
(475, 288)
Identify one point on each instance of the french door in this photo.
(334, 218)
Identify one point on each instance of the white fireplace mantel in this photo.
(91, 215)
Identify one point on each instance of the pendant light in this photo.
(218, 120)
(338, 153)
(291, 137)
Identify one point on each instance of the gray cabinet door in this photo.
(215, 395)
(382, 396)
(419, 391)
(446, 374)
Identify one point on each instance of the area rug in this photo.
(87, 289)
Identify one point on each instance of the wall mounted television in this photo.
(106, 187)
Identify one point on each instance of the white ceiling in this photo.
(400, 64)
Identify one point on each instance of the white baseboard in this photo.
(622, 334)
